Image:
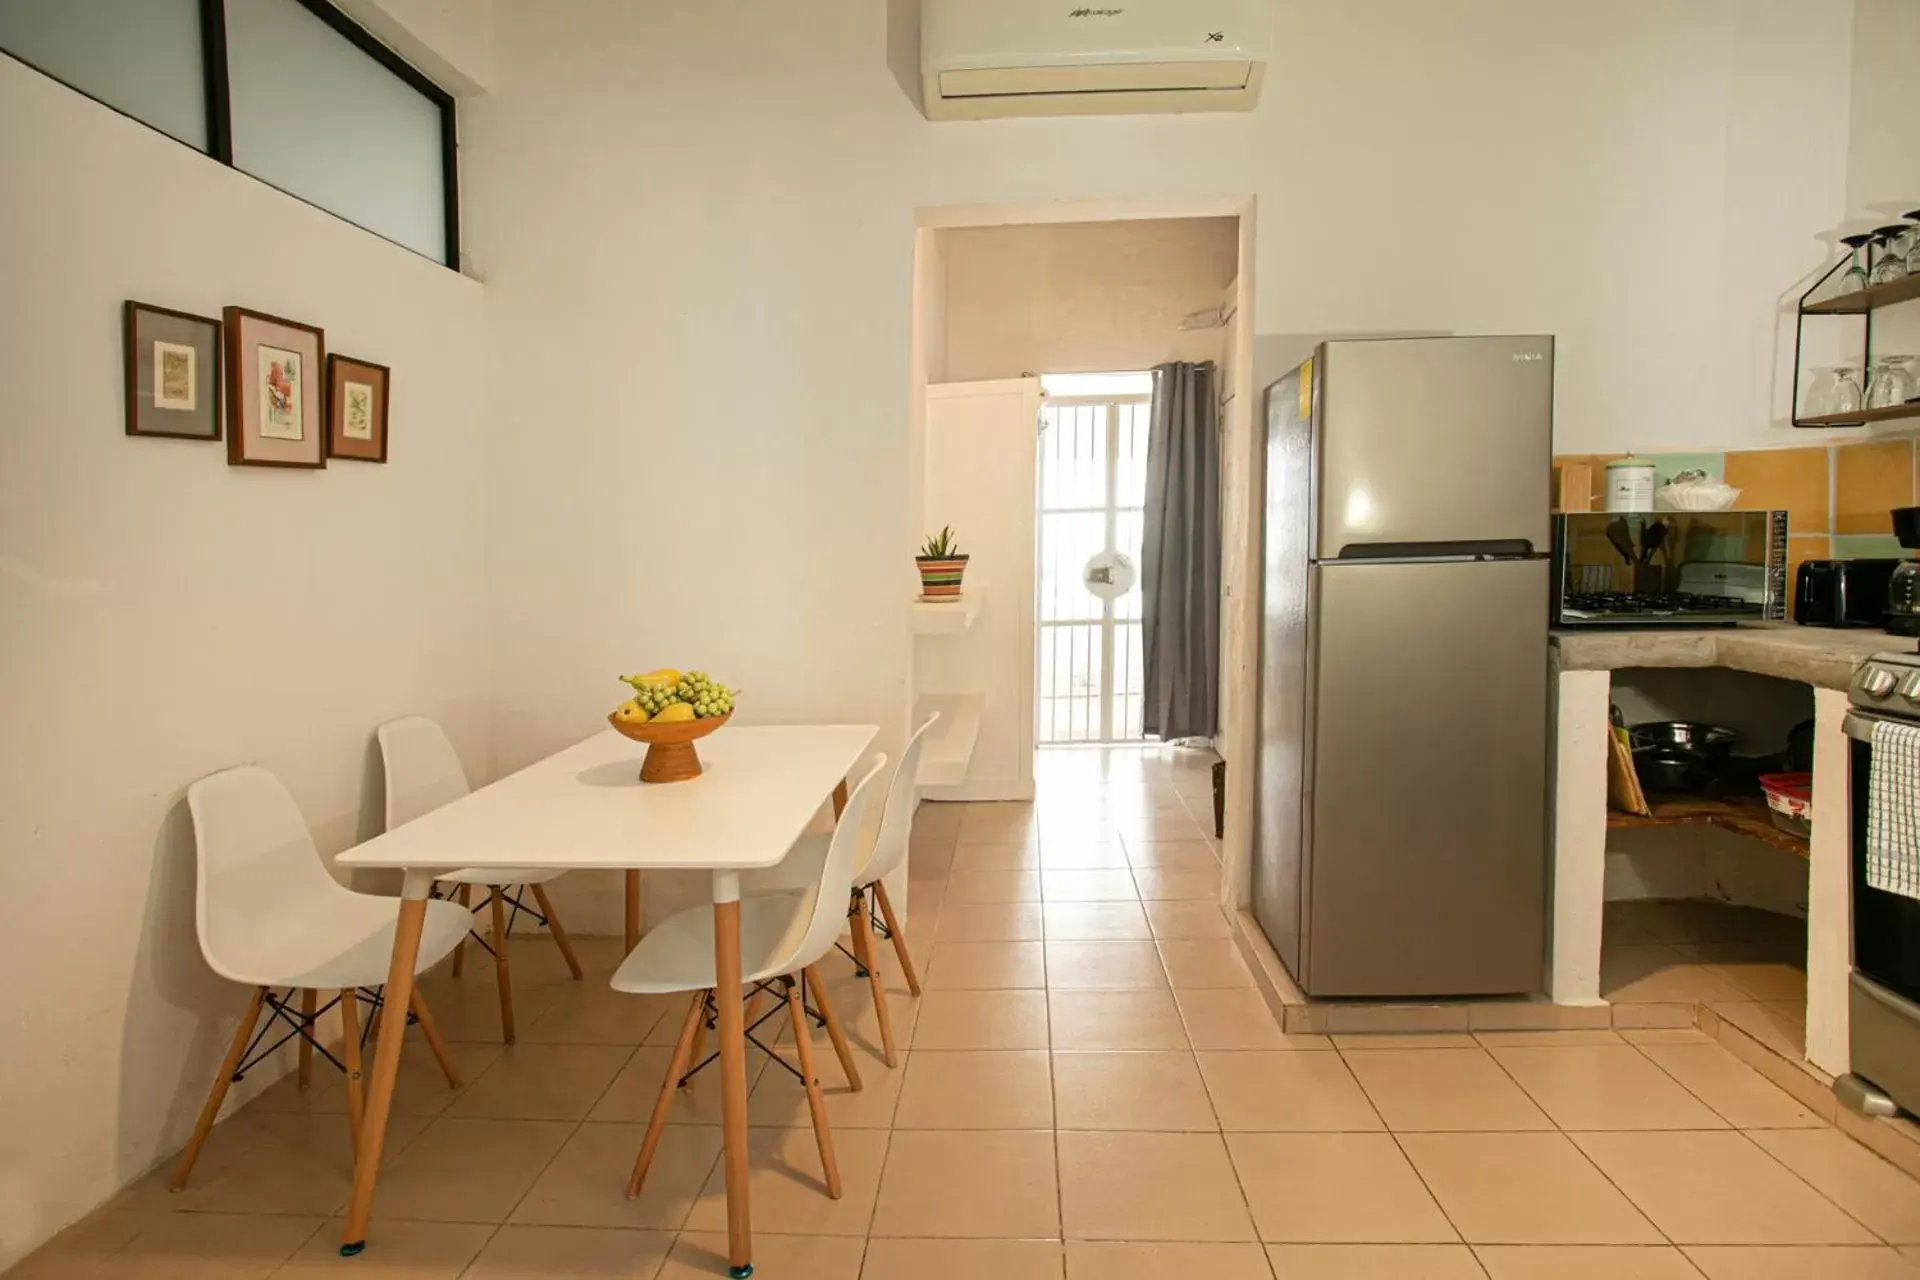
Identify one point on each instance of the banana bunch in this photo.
(667, 696)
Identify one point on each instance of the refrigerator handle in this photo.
(1477, 549)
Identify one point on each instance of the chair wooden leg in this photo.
(899, 936)
(498, 903)
(676, 1067)
(350, 1050)
(817, 1105)
(870, 960)
(308, 1000)
(835, 1032)
(431, 1033)
(699, 1041)
(633, 911)
(465, 894)
(218, 1094)
(559, 932)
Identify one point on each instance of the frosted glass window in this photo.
(142, 57)
(319, 117)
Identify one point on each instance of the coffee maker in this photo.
(1903, 589)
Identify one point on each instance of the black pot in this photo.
(1708, 741)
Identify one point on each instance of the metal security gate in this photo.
(1093, 478)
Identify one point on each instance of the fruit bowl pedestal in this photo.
(670, 753)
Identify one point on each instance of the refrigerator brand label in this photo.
(1529, 355)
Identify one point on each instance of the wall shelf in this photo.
(1742, 815)
(951, 618)
(1862, 304)
(948, 749)
(1911, 409)
(1871, 298)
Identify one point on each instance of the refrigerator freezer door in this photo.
(1433, 441)
(1427, 822)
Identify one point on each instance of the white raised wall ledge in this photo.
(1829, 889)
(451, 41)
(1579, 835)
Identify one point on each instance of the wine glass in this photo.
(1888, 382)
(1856, 277)
(1891, 264)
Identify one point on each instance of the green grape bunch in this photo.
(708, 697)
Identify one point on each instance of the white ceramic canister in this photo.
(1629, 484)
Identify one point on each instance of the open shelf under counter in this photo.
(1742, 815)
(946, 617)
(949, 747)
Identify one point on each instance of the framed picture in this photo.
(275, 394)
(173, 372)
(357, 409)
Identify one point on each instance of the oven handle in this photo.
(1859, 724)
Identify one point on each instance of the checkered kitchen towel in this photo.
(1893, 810)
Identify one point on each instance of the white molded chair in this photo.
(270, 915)
(782, 936)
(423, 772)
(869, 907)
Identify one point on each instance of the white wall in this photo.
(163, 615)
(1082, 296)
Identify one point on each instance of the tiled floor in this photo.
(1749, 966)
(1092, 1090)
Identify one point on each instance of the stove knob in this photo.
(1910, 687)
(1878, 682)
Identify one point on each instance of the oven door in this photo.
(1884, 1003)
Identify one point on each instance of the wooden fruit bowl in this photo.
(670, 753)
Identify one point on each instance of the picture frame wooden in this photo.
(171, 367)
(276, 391)
(357, 408)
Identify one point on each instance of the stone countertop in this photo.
(1823, 656)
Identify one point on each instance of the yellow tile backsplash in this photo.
(1793, 479)
(1869, 480)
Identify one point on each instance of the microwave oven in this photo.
(1669, 568)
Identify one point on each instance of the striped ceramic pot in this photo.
(940, 576)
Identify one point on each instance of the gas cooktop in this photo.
(1594, 605)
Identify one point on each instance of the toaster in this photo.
(1842, 593)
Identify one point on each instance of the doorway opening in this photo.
(1089, 684)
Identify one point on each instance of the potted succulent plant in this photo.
(941, 566)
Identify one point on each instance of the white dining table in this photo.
(585, 809)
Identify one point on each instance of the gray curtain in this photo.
(1180, 554)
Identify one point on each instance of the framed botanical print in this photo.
(357, 409)
(275, 391)
(172, 372)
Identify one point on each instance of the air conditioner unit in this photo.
(985, 58)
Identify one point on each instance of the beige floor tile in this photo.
(990, 922)
(397, 1251)
(1876, 1193)
(992, 886)
(212, 1246)
(1656, 974)
(1067, 854)
(1194, 963)
(1335, 1188)
(1140, 1019)
(1912, 1255)
(1717, 1188)
(1286, 1092)
(982, 1020)
(1005, 1089)
(979, 1184)
(1374, 1262)
(1367, 1041)
(1739, 1094)
(779, 1099)
(1161, 826)
(788, 1190)
(699, 1254)
(585, 1185)
(1444, 1090)
(542, 1082)
(467, 1170)
(1110, 884)
(1131, 1090)
(578, 1253)
(468, 1008)
(1585, 1262)
(1097, 966)
(631, 1096)
(1096, 922)
(84, 1247)
(1666, 1035)
(1802, 1263)
(995, 823)
(962, 1260)
(1024, 856)
(285, 1164)
(976, 966)
(1237, 1018)
(1767, 1024)
(1171, 855)
(1605, 1087)
(1178, 885)
(1524, 1188)
(1184, 920)
(1149, 1186)
(1756, 972)
(1104, 1260)
(591, 1012)
(420, 1089)
(852, 999)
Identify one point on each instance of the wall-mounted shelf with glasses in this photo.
(1880, 269)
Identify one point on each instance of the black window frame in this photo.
(219, 106)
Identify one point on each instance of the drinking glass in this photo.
(1847, 394)
(1891, 265)
(1913, 242)
(1888, 382)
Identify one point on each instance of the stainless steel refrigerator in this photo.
(1401, 844)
